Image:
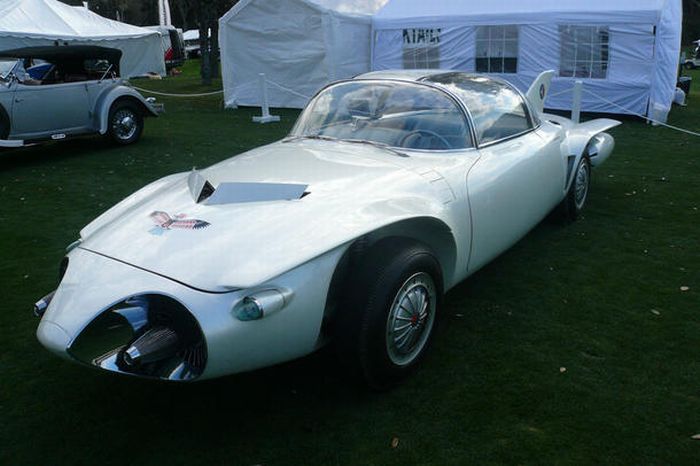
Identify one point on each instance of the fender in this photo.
(107, 98)
(588, 138)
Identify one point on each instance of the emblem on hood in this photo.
(164, 222)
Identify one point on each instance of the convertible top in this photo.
(68, 53)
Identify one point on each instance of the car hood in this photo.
(351, 189)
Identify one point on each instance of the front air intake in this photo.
(147, 335)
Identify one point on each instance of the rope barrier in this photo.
(660, 123)
(560, 93)
(286, 89)
(203, 94)
(293, 92)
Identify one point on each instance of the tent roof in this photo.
(52, 19)
(349, 7)
(367, 7)
(518, 10)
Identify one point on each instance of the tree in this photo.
(208, 14)
(183, 14)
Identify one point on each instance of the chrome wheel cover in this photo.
(124, 124)
(581, 184)
(411, 319)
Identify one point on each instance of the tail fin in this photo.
(539, 89)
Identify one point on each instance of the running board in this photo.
(11, 143)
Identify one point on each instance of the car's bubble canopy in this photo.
(498, 111)
(398, 114)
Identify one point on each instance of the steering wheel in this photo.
(410, 138)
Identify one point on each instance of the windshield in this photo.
(6, 67)
(396, 114)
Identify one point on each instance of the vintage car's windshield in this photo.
(397, 114)
(6, 67)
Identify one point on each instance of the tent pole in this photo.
(265, 117)
(576, 102)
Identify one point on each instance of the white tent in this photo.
(300, 45)
(29, 23)
(625, 51)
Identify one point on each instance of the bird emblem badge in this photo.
(165, 222)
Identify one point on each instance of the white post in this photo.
(265, 117)
(164, 13)
(576, 102)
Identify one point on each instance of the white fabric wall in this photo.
(33, 23)
(298, 44)
(641, 67)
(668, 44)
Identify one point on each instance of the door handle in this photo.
(19, 100)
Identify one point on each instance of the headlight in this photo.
(261, 304)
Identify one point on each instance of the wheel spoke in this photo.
(410, 320)
(399, 338)
(398, 329)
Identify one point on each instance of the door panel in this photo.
(56, 108)
(513, 186)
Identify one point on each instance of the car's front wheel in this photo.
(387, 323)
(575, 201)
(125, 123)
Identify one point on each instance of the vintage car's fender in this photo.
(588, 138)
(111, 95)
(92, 283)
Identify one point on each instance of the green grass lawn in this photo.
(600, 298)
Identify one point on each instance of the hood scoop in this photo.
(203, 192)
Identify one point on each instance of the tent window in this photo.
(497, 49)
(421, 49)
(584, 51)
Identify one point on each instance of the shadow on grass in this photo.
(52, 152)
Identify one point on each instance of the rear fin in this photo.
(539, 89)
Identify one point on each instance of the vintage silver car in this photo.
(52, 93)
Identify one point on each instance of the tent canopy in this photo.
(300, 45)
(625, 51)
(404, 12)
(30, 23)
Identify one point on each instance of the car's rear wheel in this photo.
(575, 201)
(125, 123)
(387, 322)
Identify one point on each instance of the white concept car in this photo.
(391, 189)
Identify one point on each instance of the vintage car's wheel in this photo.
(4, 126)
(388, 321)
(125, 123)
(576, 198)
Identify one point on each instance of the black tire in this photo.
(125, 123)
(4, 125)
(577, 196)
(689, 66)
(366, 330)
